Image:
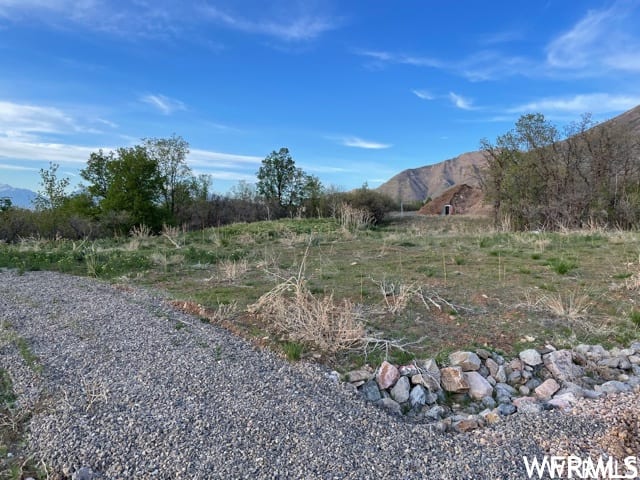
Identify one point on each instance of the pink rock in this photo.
(547, 388)
(387, 375)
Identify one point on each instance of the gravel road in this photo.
(134, 389)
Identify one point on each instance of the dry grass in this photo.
(352, 219)
(141, 231)
(232, 270)
(290, 309)
(397, 295)
(572, 306)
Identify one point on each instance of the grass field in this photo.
(415, 286)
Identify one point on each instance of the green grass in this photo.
(455, 261)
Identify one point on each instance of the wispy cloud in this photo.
(461, 102)
(297, 26)
(41, 151)
(17, 168)
(163, 104)
(603, 40)
(596, 103)
(20, 120)
(423, 94)
(208, 158)
(358, 142)
(381, 57)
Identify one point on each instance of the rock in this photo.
(431, 398)
(527, 405)
(484, 371)
(490, 416)
(489, 402)
(408, 370)
(505, 390)
(491, 380)
(426, 380)
(515, 364)
(533, 383)
(590, 394)
(418, 396)
(468, 361)
(531, 357)
(401, 390)
(84, 473)
(361, 375)
(547, 388)
(452, 380)
(370, 391)
(466, 425)
(501, 375)
(635, 346)
(390, 405)
(387, 375)
(524, 390)
(505, 409)
(492, 366)
(634, 359)
(613, 386)
(560, 364)
(478, 385)
(515, 378)
(483, 354)
(436, 412)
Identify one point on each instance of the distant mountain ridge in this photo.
(418, 184)
(20, 197)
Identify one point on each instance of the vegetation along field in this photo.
(329, 290)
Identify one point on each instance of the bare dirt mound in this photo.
(463, 198)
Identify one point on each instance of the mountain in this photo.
(417, 184)
(20, 197)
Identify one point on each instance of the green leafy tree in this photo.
(53, 192)
(281, 182)
(170, 155)
(5, 204)
(135, 186)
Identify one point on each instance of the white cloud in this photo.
(18, 168)
(208, 158)
(596, 103)
(19, 120)
(41, 151)
(423, 94)
(296, 26)
(163, 104)
(603, 40)
(383, 57)
(361, 143)
(460, 102)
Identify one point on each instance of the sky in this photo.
(358, 90)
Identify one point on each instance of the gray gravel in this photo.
(126, 393)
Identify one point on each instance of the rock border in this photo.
(477, 388)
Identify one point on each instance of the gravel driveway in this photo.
(132, 388)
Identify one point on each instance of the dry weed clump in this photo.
(320, 322)
(231, 270)
(352, 219)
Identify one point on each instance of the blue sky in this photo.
(358, 90)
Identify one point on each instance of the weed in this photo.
(634, 316)
(562, 266)
(293, 350)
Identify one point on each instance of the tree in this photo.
(135, 186)
(5, 204)
(280, 181)
(170, 155)
(98, 174)
(52, 195)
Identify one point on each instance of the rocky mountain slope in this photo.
(417, 184)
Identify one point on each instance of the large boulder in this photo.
(453, 380)
(560, 364)
(468, 361)
(547, 388)
(400, 391)
(387, 375)
(531, 357)
(479, 388)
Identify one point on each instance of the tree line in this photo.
(151, 184)
(538, 177)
